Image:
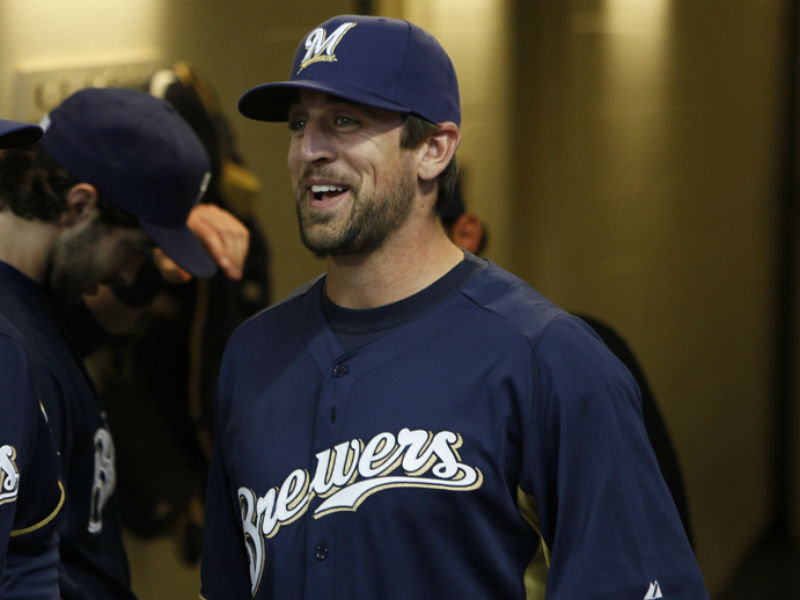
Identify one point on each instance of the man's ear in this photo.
(438, 151)
(467, 232)
(81, 202)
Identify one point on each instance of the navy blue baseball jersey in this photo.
(478, 442)
(93, 561)
(31, 493)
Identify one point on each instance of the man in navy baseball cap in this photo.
(380, 64)
(114, 180)
(14, 134)
(418, 411)
(142, 157)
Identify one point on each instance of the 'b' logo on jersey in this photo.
(9, 474)
(105, 478)
(320, 45)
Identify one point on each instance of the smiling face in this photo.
(93, 254)
(354, 185)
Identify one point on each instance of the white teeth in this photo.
(321, 189)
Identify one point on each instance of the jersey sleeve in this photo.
(606, 515)
(18, 408)
(224, 569)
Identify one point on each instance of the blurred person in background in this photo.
(112, 185)
(162, 376)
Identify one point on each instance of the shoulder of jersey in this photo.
(282, 314)
(512, 300)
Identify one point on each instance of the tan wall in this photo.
(477, 36)
(44, 33)
(645, 171)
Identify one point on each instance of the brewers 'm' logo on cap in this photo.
(320, 46)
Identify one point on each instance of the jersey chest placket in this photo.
(343, 390)
(329, 429)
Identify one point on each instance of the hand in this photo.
(223, 235)
(170, 271)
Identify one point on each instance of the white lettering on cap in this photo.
(320, 45)
(203, 186)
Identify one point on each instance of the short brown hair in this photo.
(416, 131)
(34, 187)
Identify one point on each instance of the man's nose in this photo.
(316, 143)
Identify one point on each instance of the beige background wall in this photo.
(623, 154)
(645, 184)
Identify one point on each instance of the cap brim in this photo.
(270, 101)
(183, 247)
(14, 134)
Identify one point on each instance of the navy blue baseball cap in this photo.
(142, 156)
(381, 62)
(14, 134)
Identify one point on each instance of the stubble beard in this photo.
(72, 267)
(370, 223)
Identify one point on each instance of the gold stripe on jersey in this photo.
(536, 572)
(46, 520)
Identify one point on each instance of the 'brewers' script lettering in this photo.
(346, 475)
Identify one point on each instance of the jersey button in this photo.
(321, 552)
(340, 370)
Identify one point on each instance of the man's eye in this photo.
(345, 121)
(296, 124)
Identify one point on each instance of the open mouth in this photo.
(327, 192)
